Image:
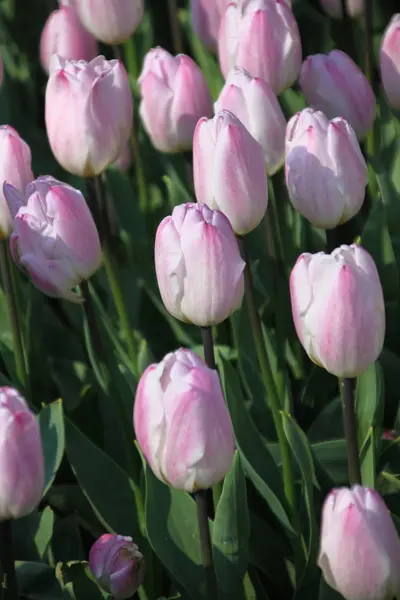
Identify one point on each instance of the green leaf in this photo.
(369, 407)
(37, 581)
(332, 456)
(231, 534)
(257, 460)
(51, 422)
(77, 581)
(171, 525)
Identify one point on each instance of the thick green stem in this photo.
(96, 189)
(350, 430)
(205, 544)
(175, 26)
(9, 579)
(269, 384)
(130, 59)
(208, 346)
(13, 314)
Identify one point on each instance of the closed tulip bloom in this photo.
(360, 549)
(333, 8)
(182, 424)
(255, 104)
(15, 168)
(336, 86)
(174, 95)
(198, 265)
(326, 174)
(89, 111)
(206, 19)
(21, 457)
(229, 171)
(55, 239)
(110, 21)
(65, 35)
(338, 309)
(390, 62)
(262, 37)
(117, 565)
(124, 160)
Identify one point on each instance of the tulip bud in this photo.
(390, 62)
(336, 86)
(89, 111)
(55, 239)
(262, 37)
(174, 97)
(360, 549)
(338, 309)
(334, 9)
(21, 457)
(229, 171)
(326, 173)
(110, 21)
(182, 424)
(117, 564)
(255, 104)
(65, 35)
(206, 19)
(15, 168)
(198, 265)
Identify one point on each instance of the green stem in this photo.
(96, 188)
(130, 60)
(205, 544)
(140, 179)
(208, 346)
(269, 384)
(13, 314)
(350, 430)
(175, 26)
(9, 579)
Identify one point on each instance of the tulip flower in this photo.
(182, 424)
(55, 239)
(326, 174)
(174, 95)
(262, 37)
(124, 160)
(229, 171)
(390, 62)
(206, 19)
(338, 309)
(255, 104)
(110, 21)
(89, 111)
(117, 565)
(21, 457)
(65, 35)
(360, 549)
(333, 8)
(15, 168)
(198, 265)
(335, 85)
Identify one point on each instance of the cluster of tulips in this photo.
(181, 422)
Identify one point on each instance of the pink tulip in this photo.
(198, 265)
(338, 309)
(229, 171)
(182, 424)
(335, 85)
(390, 62)
(124, 160)
(333, 8)
(21, 457)
(110, 21)
(326, 174)
(89, 111)
(15, 168)
(206, 19)
(174, 97)
(65, 35)
(117, 564)
(262, 37)
(360, 549)
(255, 104)
(55, 239)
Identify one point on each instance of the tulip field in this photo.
(200, 299)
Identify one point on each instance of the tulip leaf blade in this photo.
(51, 422)
(171, 525)
(231, 533)
(37, 581)
(257, 460)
